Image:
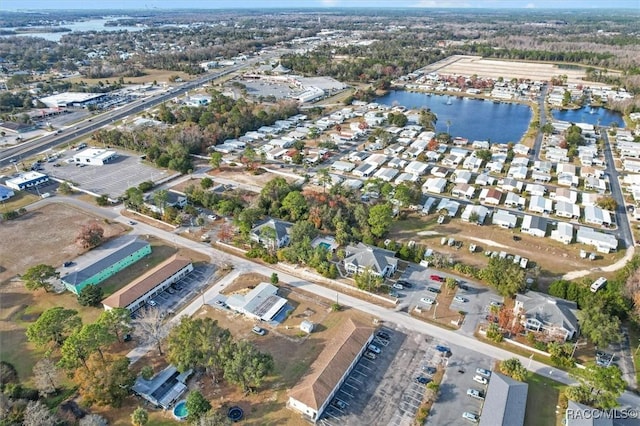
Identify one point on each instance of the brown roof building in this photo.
(138, 292)
(332, 367)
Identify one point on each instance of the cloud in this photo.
(441, 3)
(329, 3)
(530, 6)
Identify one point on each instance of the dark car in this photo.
(445, 350)
(433, 289)
(463, 286)
(422, 380)
(405, 283)
(383, 335)
(429, 370)
(67, 264)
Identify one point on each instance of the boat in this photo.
(592, 111)
(449, 101)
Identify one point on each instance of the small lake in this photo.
(80, 26)
(587, 114)
(474, 119)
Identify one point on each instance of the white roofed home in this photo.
(262, 303)
(462, 176)
(416, 167)
(510, 184)
(565, 194)
(603, 242)
(463, 191)
(362, 257)
(568, 210)
(504, 219)
(271, 233)
(597, 216)
(540, 205)
(514, 200)
(449, 205)
(484, 179)
(536, 189)
(435, 185)
(563, 233)
(471, 209)
(386, 174)
(517, 172)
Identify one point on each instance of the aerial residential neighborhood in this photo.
(398, 214)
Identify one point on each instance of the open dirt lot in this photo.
(45, 236)
(553, 257)
(470, 65)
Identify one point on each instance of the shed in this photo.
(307, 326)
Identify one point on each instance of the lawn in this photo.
(542, 400)
(18, 201)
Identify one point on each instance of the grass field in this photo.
(542, 400)
(160, 76)
(21, 199)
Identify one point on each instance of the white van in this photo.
(598, 284)
(45, 195)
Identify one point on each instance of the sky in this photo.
(248, 4)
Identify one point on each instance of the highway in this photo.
(85, 127)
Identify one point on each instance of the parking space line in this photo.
(361, 373)
(344, 391)
(355, 380)
(365, 367)
(331, 415)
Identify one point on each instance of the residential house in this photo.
(538, 204)
(342, 166)
(520, 149)
(595, 184)
(428, 205)
(557, 155)
(6, 193)
(552, 316)
(590, 199)
(358, 156)
(542, 166)
(463, 190)
(462, 176)
(386, 174)
(397, 163)
(440, 172)
(588, 171)
(364, 170)
(406, 177)
(540, 177)
(480, 145)
(510, 184)
(485, 180)
(262, 303)
(361, 257)
(449, 205)
(534, 225)
(513, 200)
(563, 233)
(535, 189)
(565, 194)
(597, 216)
(376, 159)
(603, 242)
(520, 162)
(518, 172)
(504, 219)
(289, 155)
(164, 389)
(567, 209)
(271, 233)
(435, 185)
(471, 209)
(491, 196)
(394, 150)
(452, 160)
(631, 166)
(416, 167)
(472, 163)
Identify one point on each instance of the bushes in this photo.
(494, 334)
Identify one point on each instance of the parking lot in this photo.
(177, 295)
(458, 378)
(112, 179)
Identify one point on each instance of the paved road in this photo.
(402, 320)
(624, 229)
(537, 145)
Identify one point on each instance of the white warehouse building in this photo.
(95, 157)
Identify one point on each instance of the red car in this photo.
(437, 278)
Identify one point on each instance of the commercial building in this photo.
(554, 317)
(72, 99)
(112, 259)
(6, 193)
(26, 180)
(331, 368)
(95, 156)
(262, 303)
(136, 294)
(505, 403)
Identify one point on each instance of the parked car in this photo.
(340, 404)
(131, 222)
(427, 300)
(483, 372)
(369, 355)
(459, 299)
(480, 379)
(422, 380)
(152, 303)
(258, 330)
(463, 286)
(397, 286)
(429, 370)
(405, 283)
(470, 416)
(67, 264)
(220, 303)
(475, 393)
(373, 348)
(497, 304)
(437, 278)
(433, 289)
(443, 349)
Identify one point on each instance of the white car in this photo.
(373, 348)
(258, 330)
(480, 379)
(470, 416)
(459, 299)
(397, 286)
(427, 300)
(483, 372)
(152, 303)
(475, 393)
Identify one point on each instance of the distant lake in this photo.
(474, 119)
(589, 115)
(80, 26)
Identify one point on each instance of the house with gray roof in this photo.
(361, 257)
(604, 243)
(505, 402)
(504, 219)
(563, 233)
(550, 315)
(163, 389)
(534, 225)
(271, 232)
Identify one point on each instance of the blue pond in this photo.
(587, 114)
(180, 410)
(474, 119)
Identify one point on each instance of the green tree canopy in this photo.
(380, 217)
(294, 205)
(53, 326)
(197, 405)
(117, 321)
(246, 366)
(90, 295)
(39, 276)
(598, 325)
(503, 275)
(139, 417)
(513, 368)
(599, 387)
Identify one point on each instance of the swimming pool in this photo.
(180, 410)
(325, 245)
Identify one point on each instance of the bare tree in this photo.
(632, 291)
(93, 420)
(46, 376)
(151, 326)
(38, 414)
